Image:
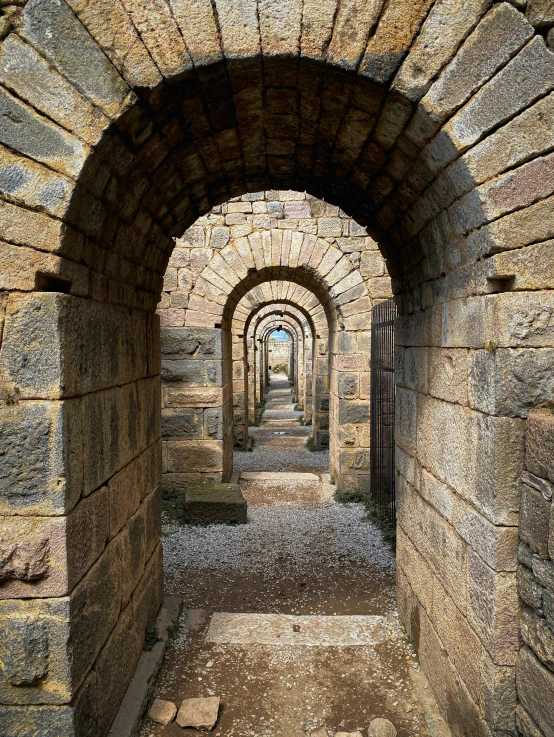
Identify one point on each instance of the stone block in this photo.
(199, 713)
(540, 13)
(535, 687)
(348, 385)
(148, 595)
(115, 666)
(192, 372)
(543, 570)
(192, 397)
(501, 32)
(498, 698)
(131, 542)
(525, 724)
(539, 441)
(71, 631)
(210, 503)
(508, 381)
(489, 478)
(534, 519)
(448, 374)
(45, 556)
(41, 472)
(76, 720)
(182, 422)
(492, 603)
(183, 343)
(103, 345)
(537, 634)
(193, 455)
(111, 432)
(434, 538)
(78, 55)
(528, 589)
(496, 545)
(124, 495)
(406, 418)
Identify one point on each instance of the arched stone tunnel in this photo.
(430, 125)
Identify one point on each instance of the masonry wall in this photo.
(535, 577)
(80, 554)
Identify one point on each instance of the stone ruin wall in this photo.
(535, 578)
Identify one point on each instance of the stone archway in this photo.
(431, 123)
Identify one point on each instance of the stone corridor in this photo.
(300, 554)
(181, 178)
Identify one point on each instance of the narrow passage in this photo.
(291, 618)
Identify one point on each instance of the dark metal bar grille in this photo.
(382, 409)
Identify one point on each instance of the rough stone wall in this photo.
(279, 351)
(80, 555)
(535, 576)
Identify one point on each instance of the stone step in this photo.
(278, 476)
(207, 504)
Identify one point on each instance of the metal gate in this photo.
(382, 409)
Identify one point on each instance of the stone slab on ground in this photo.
(277, 476)
(208, 504)
(199, 713)
(288, 629)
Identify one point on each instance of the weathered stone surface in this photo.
(182, 343)
(49, 92)
(110, 26)
(162, 711)
(54, 30)
(381, 728)
(540, 13)
(23, 559)
(500, 33)
(538, 444)
(536, 633)
(535, 685)
(106, 346)
(529, 589)
(457, 464)
(197, 455)
(35, 438)
(445, 27)
(534, 519)
(199, 713)
(492, 601)
(510, 382)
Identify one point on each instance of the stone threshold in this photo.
(128, 720)
(277, 476)
(312, 630)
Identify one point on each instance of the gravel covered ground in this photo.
(285, 451)
(300, 553)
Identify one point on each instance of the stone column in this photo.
(197, 413)
(320, 413)
(81, 567)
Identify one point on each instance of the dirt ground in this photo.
(300, 554)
